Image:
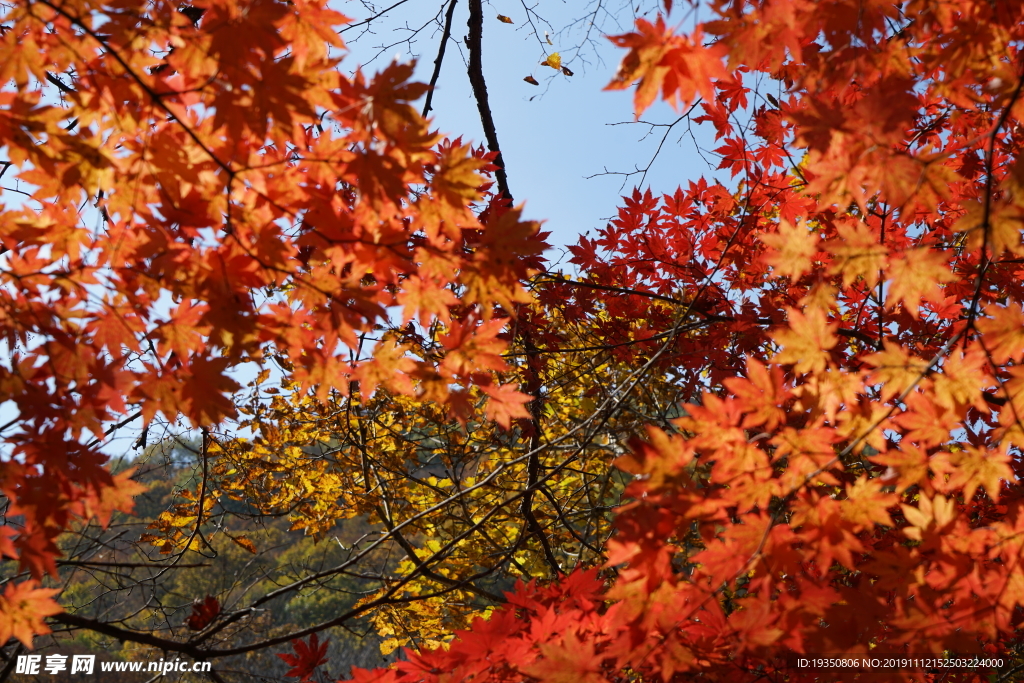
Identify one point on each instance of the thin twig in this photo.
(986, 220)
(440, 55)
(9, 667)
(378, 15)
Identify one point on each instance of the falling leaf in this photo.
(566, 71)
(244, 542)
(554, 60)
(505, 20)
(531, 80)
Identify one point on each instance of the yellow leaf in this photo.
(505, 20)
(554, 60)
(389, 646)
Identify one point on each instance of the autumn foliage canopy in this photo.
(846, 482)
(842, 325)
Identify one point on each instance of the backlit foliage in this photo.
(847, 319)
(770, 418)
(203, 188)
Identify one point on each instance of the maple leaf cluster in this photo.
(204, 189)
(844, 323)
(839, 331)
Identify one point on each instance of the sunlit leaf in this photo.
(554, 60)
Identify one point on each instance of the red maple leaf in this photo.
(307, 657)
(203, 613)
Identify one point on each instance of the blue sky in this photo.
(553, 135)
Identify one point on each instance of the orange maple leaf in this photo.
(792, 249)
(569, 661)
(680, 66)
(924, 421)
(1003, 332)
(505, 404)
(761, 394)
(971, 467)
(1001, 232)
(807, 340)
(857, 252)
(23, 606)
(917, 274)
(895, 369)
(120, 495)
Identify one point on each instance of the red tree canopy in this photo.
(847, 322)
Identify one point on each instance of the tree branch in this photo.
(534, 388)
(64, 88)
(9, 667)
(440, 55)
(476, 79)
(378, 15)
